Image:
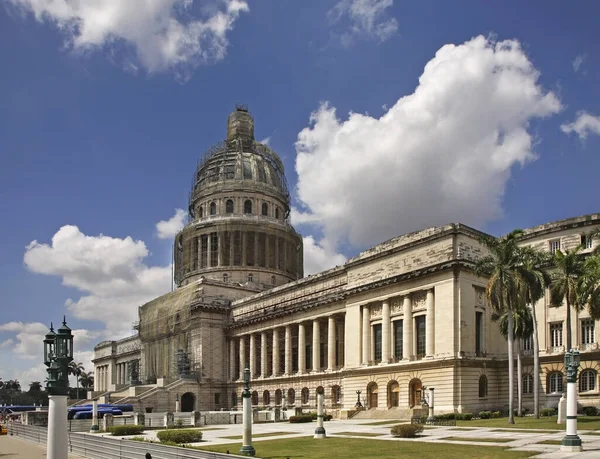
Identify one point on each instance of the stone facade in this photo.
(406, 314)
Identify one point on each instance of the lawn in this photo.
(481, 440)
(356, 448)
(266, 434)
(583, 423)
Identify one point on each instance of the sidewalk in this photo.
(13, 447)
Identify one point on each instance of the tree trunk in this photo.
(536, 366)
(511, 367)
(519, 379)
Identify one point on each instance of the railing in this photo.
(97, 447)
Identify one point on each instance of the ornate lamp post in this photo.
(320, 430)
(358, 404)
(247, 448)
(571, 441)
(58, 353)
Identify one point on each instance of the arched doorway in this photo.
(254, 398)
(372, 395)
(278, 397)
(188, 402)
(291, 398)
(393, 394)
(336, 395)
(415, 392)
(266, 398)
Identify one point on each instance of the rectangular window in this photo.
(586, 241)
(556, 334)
(587, 331)
(478, 333)
(554, 245)
(420, 326)
(527, 344)
(398, 338)
(377, 338)
(217, 398)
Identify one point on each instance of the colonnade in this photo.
(101, 377)
(261, 352)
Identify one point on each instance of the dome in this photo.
(239, 161)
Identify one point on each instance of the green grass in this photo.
(266, 434)
(483, 440)
(360, 434)
(549, 442)
(383, 423)
(583, 423)
(358, 448)
(462, 428)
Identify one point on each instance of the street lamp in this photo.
(58, 353)
(571, 441)
(247, 448)
(358, 404)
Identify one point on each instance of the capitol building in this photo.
(403, 316)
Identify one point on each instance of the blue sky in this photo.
(103, 118)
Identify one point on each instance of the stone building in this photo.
(407, 314)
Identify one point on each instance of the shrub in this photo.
(485, 415)
(301, 418)
(463, 416)
(590, 411)
(138, 439)
(496, 414)
(446, 416)
(178, 424)
(548, 412)
(126, 430)
(406, 430)
(179, 436)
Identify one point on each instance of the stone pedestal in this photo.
(320, 430)
(169, 421)
(139, 419)
(95, 427)
(107, 422)
(58, 437)
(562, 410)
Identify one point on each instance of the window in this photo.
(483, 386)
(398, 338)
(229, 206)
(225, 277)
(377, 339)
(478, 333)
(556, 334)
(247, 206)
(213, 208)
(420, 327)
(587, 331)
(527, 344)
(200, 211)
(554, 245)
(247, 169)
(586, 241)
(250, 278)
(265, 209)
(277, 213)
(527, 384)
(305, 395)
(273, 280)
(587, 380)
(217, 398)
(555, 382)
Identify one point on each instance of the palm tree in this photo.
(76, 369)
(589, 286)
(35, 386)
(566, 287)
(595, 234)
(86, 379)
(504, 291)
(523, 328)
(536, 281)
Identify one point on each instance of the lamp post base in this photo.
(247, 451)
(571, 444)
(320, 433)
(95, 429)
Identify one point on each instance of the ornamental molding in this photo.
(419, 299)
(376, 311)
(396, 305)
(479, 296)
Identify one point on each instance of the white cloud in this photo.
(583, 125)
(162, 34)
(266, 141)
(319, 257)
(367, 18)
(167, 229)
(578, 62)
(443, 153)
(110, 270)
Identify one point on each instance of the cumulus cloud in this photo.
(159, 35)
(578, 62)
(167, 229)
(583, 125)
(366, 18)
(109, 270)
(318, 257)
(441, 154)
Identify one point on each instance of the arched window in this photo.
(265, 209)
(213, 208)
(225, 277)
(254, 399)
(291, 397)
(229, 206)
(587, 380)
(277, 213)
(305, 395)
(483, 386)
(200, 212)
(273, 280)
(234, 399)
(247, 206)
(266, 398)
(336, 395)
(250, 278)
(278, 397)
(527, 383)
(555, 382)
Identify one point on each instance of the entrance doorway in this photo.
(372, 395)
(188, 402)
(393, 394)
(415, 392)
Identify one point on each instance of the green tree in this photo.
(589, 286)
(76, 369)
(504, 291)
(87, 379)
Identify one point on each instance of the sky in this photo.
(390, 116)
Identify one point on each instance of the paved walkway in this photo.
(13, 447)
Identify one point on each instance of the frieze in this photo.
(375, 311)
(396, 305)
(479, 296)
(418, 300)
(131, 346)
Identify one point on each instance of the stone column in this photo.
(288, 350)
(95, 428)
(208, 246)
(267, 250)
(244, 248)
(366, 335)
(386, 329)
(256, 248)
(242, 356)
(430, 324)
(263, 354)
(275, 365)
(331, 344)
(232, 359)
(316, 346)
(276, 252)
(301, 348)
(231, 247)
(253, 355)
(118, 373)
(407, 328)
(58, 435)
(320, 430)
(220, 248)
